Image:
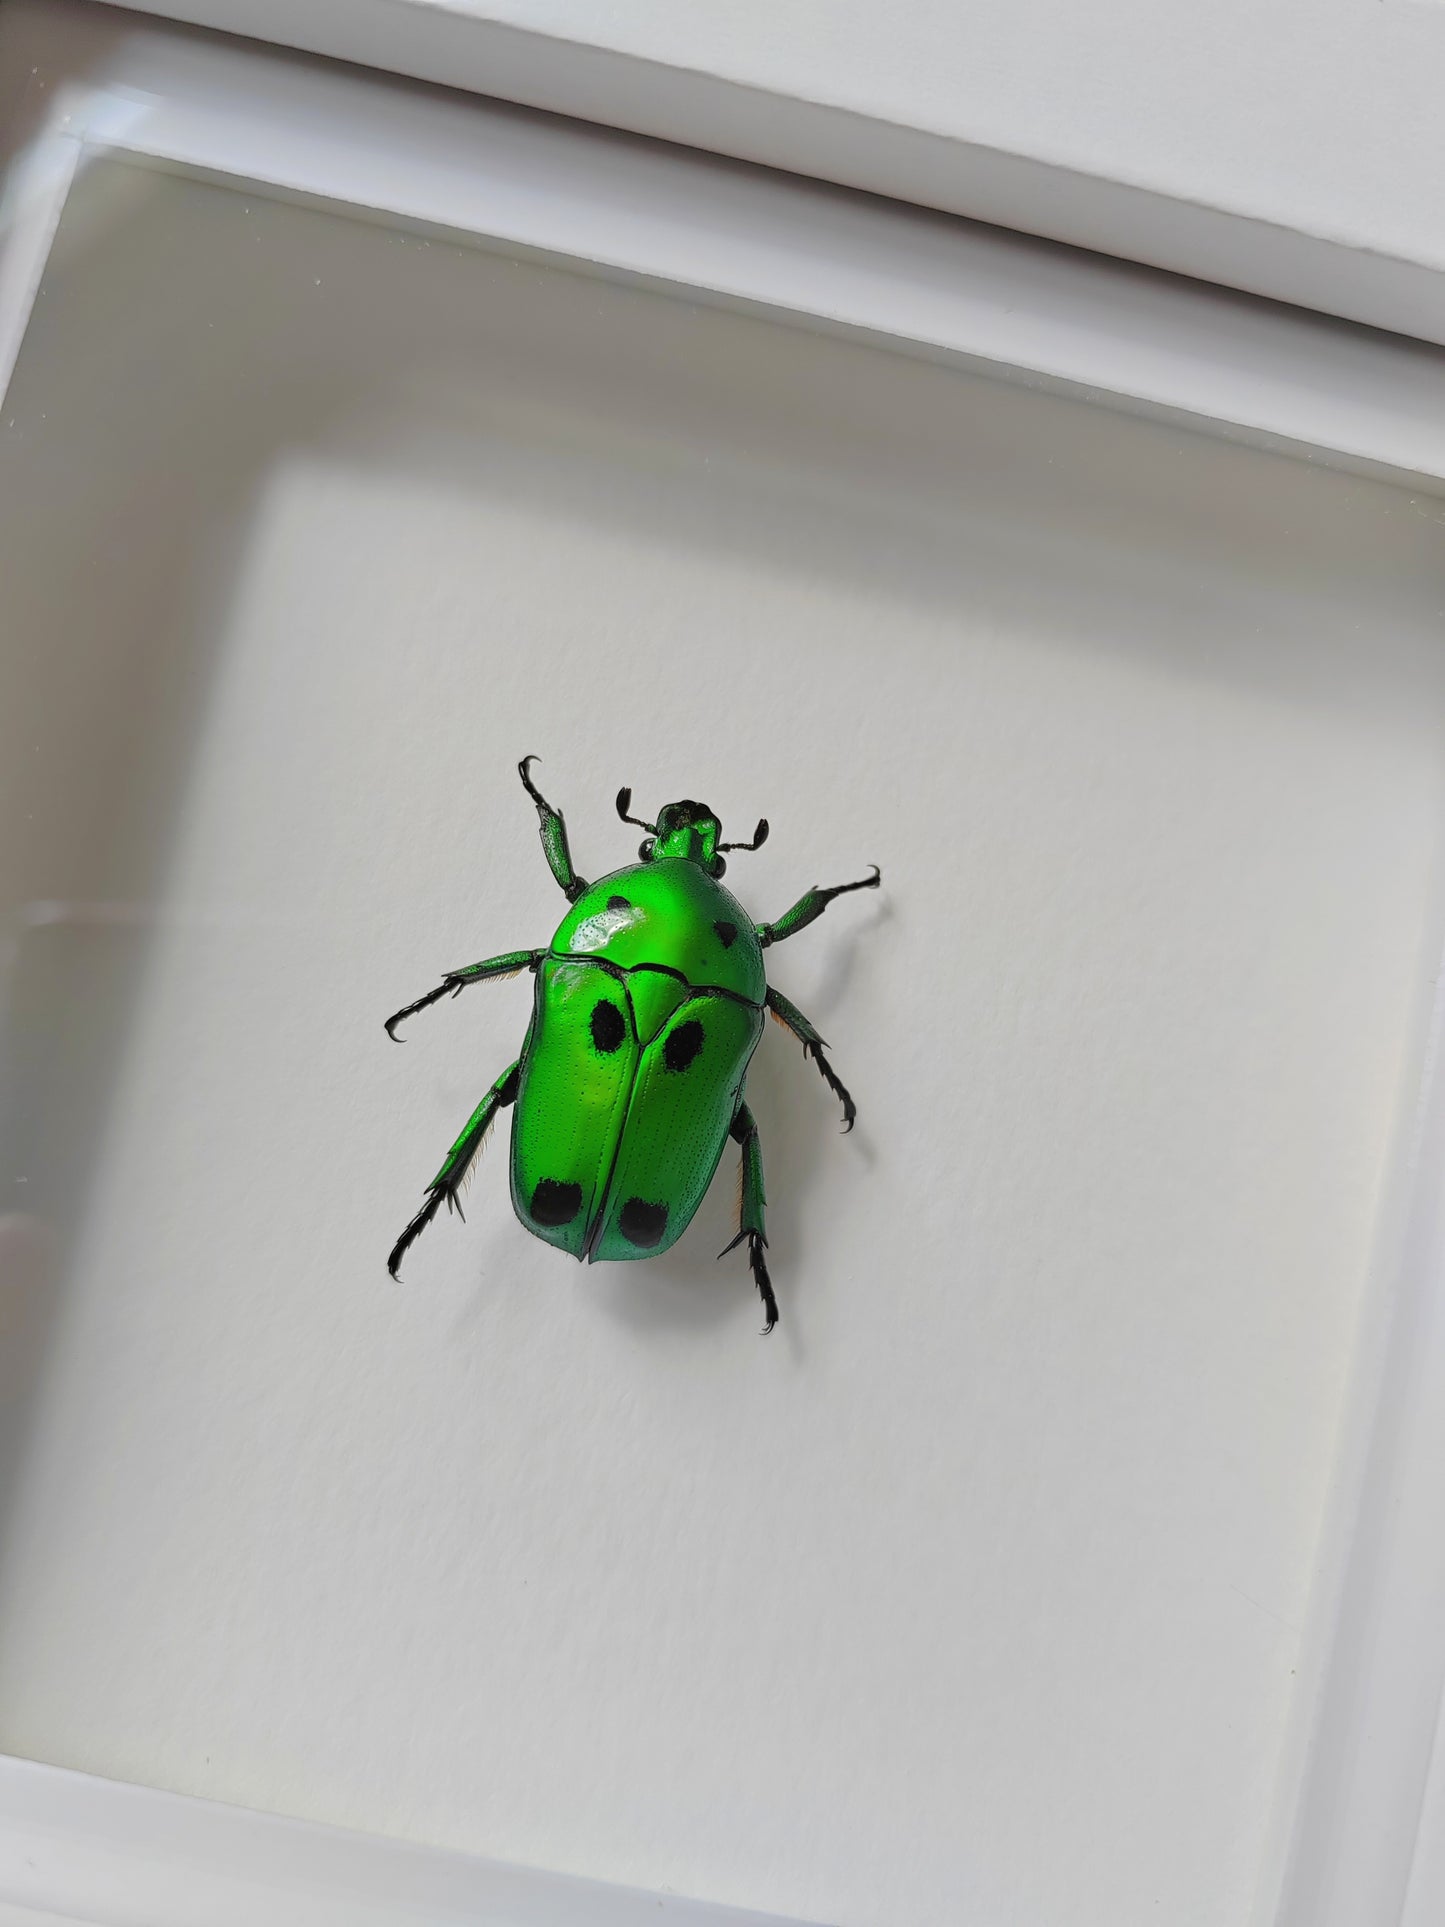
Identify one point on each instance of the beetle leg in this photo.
(446, 1185)
(554, 837)
(744, 1131)
(810, 905)
(791, 1018)
(456, 981)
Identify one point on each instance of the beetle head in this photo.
(689, 830)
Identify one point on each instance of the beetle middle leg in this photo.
(446, 1185)
(744, 1131)
(554, 837)
(456, 982)
(791, 1018)
(810, 905)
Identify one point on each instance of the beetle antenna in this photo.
(624, 804)
(760, 837)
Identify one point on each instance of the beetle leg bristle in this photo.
(464, 1178)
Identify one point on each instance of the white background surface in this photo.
(981, 1584)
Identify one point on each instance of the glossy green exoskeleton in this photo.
(648, 1007)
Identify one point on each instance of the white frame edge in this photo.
(126, 1856)
(1030, 311)
(1367, 1838)
(1349, 1849)
(460, 46)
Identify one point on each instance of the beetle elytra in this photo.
(648, 1006)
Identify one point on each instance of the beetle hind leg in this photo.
(445, 1187)
(744, 1131)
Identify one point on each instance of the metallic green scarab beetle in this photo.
(648, 1007)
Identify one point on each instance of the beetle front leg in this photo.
(554, 837)
(456, 982)
(744, 1131)
(812, 904)
(446, 1185)
(791, 1018)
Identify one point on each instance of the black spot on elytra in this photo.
(609, 1026)
(727, 933)
(618, 903)
(642, 1223)
(556, 1203)
(683, 1045)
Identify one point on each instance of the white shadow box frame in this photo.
(1357, 1831)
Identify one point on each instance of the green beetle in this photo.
(648, 1007)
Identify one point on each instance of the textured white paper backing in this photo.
(977, 1591)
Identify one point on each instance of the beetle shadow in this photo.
(689, 1289)
(840, 967)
